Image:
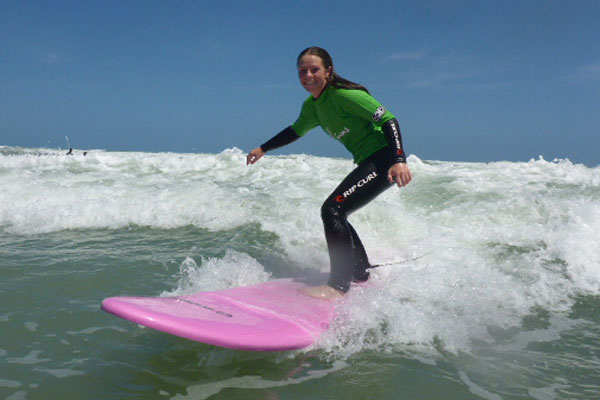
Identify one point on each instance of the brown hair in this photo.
(334, 79)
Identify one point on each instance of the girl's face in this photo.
(313, 75)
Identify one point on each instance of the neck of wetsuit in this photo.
(322, 91)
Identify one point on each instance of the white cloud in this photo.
(587, 73)
(450, 71)
(51, 58)
(405, 56)
(439, 79)
(455, 72)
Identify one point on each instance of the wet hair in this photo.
(334, 79)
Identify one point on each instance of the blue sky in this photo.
(467, 80)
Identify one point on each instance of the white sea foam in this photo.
(30, 358)
(501, 238)
(10, 384)
(234, 269)
(204, 391)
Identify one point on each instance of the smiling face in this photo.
(313, 75)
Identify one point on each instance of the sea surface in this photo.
(493, 291)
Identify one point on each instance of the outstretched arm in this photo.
(284, 137)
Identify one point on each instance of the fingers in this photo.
(402, 180)
(399, 180)
(254, 156)
(400, 177)
(391, 178)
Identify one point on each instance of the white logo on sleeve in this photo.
(379, 113)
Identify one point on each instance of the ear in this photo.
(329, 72)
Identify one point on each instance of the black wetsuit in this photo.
(372, 135)
(367, 181)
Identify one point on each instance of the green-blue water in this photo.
(503, 306)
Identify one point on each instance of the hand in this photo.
(400, 174)
(254, 156)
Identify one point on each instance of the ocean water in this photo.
(494, 290)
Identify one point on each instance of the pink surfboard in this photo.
(270, 316)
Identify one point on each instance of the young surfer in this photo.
(348, 113)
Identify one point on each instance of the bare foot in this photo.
(322, 292)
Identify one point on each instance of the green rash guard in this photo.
(352, 117)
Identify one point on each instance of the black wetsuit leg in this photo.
(347, 255)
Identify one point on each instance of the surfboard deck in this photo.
(271, 316)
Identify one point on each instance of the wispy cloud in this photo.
(267, 86)
(472, 81)
(587, 73)
(438, 79)
(451, 71)
(51, 58)
(405, 56)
